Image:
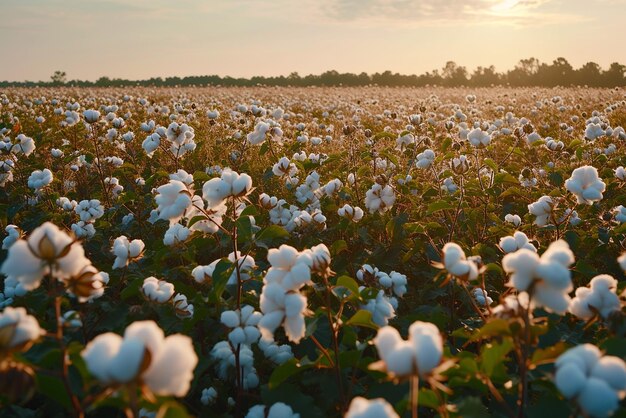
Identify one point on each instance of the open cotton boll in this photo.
(28, 260)
(126, 251)
(175, 234)
(542, 209)
(516, 242)
(172, 199)
(612, 370)
(374, 408)
(479, 138)
(40, 179)
(258, 135)
(157, 290)
(278, 410)
(457, 264)
(597, 399)
(381, 309)
(208, 396)
(570, 379)
(586, 185)
(18, 329)
(13, 234)
(171, 360)
(549, 273)
(428, 346)
(89, 210)
(421, 353)
(482, 297)
(379, 199)
(600, 295)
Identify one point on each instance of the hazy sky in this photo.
(139, 39)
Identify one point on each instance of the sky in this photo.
(139, 39)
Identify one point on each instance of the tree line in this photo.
(528, 72)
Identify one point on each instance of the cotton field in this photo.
(313, 252)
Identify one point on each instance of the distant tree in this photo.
(59, 77)
(453, 74)
(589, 74)
(614, 76)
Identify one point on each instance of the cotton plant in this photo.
(143, 356)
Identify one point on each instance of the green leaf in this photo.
(362, 318)
(491, 164)
(272, 232)
(285, 371)
(438, 206)
(495, 327)
(548, 355)
(494, 354)
(338, 247)
(349, 283)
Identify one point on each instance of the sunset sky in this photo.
(144, 38)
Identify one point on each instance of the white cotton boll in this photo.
(40, 179)
(171, 368)
(601, 296)
(257, 411)
(425, 159)
(26, 328)
(135, 248)
(381, 308)
(585, 184)
(176, 234)
(428, 346)
(89, 210)
(620, 173)
(375, 408)
(151, 143)
(172, 199)
(99, 353)
(482, 297)
(13, 234)
(124, 366)
(379, 199)
(230, 319)
(508, 244)
(521, 266)
(585, 356)
(258, 135)
(597, 399)
(542, 209)
(156, 290)
(208, 396)
(479, 138)
(91, 115)
(570, 380)
(612, 370)
(456, 263)
(401, 362)
(237, 336)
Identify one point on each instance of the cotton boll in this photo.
(586, 185)
(456, 263)
(18, 329)
(171, 368)
(208, 396)
(375, 408)
(428, 346)
(230, 319)
(597, 399)
(612, 370)
(585, 356)
(542, 209)
(173, 199)
(570, 380)
(157, 290)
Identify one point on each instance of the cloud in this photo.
(442, 12)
